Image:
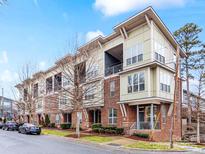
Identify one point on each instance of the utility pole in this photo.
(2, 102)
(176, 89)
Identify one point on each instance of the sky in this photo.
(38, 32)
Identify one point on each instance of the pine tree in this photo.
(188, 38)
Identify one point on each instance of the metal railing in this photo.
(113, 69)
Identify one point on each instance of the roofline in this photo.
(143, 11)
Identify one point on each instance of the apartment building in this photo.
(135, 65)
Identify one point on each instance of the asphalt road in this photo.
(14, 143)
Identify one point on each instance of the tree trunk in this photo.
(188, 96)
(198, 128)
(78, 126)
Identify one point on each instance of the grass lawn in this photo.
(97, 139)
(55, 132)
(152, 146)
(191, 144)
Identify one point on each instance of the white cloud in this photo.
(3, 57)
(92, 34)
(42, 65)
(8, 76)
(115, 7)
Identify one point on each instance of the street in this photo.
(15, 143)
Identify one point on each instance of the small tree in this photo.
(187, 37)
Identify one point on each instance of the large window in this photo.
(49, 85)
(165, 82)
(136, 82)
(112, 116)
(159, 52)
(134, 54)
(112, 88)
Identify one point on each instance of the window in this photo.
(93, 72)
(136, 82)
(35, 90)
(57, 82)
(66, 81)
(57, 119)
(164, 113)
(39, 104)
(25, 94)
(63, 100)
(90, 93)
(112, 88)
(159, 52)
(67, 118)
(129, 84)
(112, 116)
(134, 54)
(49, 85)
(165, 82)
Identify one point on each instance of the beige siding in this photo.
(167, 48)
(124, 95)
(138, 35)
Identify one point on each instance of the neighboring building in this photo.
(7, 108)
(136, 66)
(187, 130)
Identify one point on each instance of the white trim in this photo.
(148, 21)
(125, 112)
(122, 110)
(125, 32)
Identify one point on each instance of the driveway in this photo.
(14, 143)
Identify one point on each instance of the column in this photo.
(138, 127)
(152, 117)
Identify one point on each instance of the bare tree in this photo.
(27, 99)
(80, 69)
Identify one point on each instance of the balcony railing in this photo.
(113, 69)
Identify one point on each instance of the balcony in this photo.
(113, 69)
(114, 60)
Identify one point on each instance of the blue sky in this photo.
(38, 31)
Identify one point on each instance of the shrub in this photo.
(119, 131)
(96, 126)
(65, 126)
(52, 125)
(47, 121)
(141, 135)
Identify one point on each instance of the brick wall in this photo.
(111, 101)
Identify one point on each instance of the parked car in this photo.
(28, 128)
(1, 125)
(10, 125)
(18, 125)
